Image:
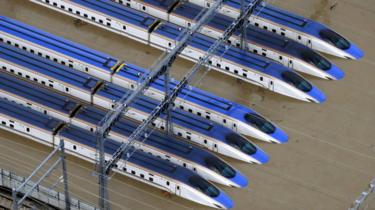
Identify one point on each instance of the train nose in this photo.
(261, 156)
(336, 73)
(355, 52)
(317, 95)
(240, 180)
(280, 136)
(224, 200)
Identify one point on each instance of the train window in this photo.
(282, 33)
(74, 147)
(199, 114)
(218, 65)
(208, 4)
(169, 44)
(63, 63)
(108, 24)
(151, 179)
(93, 18)
(280, 57)
(167, 183)
(27, 129)
(241, 143)
(1, 39)
(335, 39)
(20, 74)
(8, 42)
(4, 67)
(45, 111)
(255, 51)
(274, 30)
(162, 127)
(256, 24)
(299, 37)
(236, 71)
(24, 48)
(181, 107)
(317, 60)
(62, 7)
(244, 74)
(190, 110)
(264, 54)
(50, 85)
(204, 186)
(12, 70)
(227, 68)
(178, 187)
(124, 168)
(179, 134)
(67, 89)
(194, 169)
(297, 81)
(32, 51)
(17, 45)
(43, 83)
(128, 4)
(188, 137)
(70, 10)
(85, 15)
(229, 41)
(208, 117)
(210, 61)
(143, 8)
(78, 12)
(259, 122)
(35, 79)
(224, 121)
(265, 27)
(184, 165)
(11, 125)
(92, 129)
(54, 4)
(220, 166)
(153, 124)
(101, 21)
(205, 141)
(238, 44)
(133, 172)
(2, 122)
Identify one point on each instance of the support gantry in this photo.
(161, 68)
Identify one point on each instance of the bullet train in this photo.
(280, 49)
(140, 166)
(158, 144)
(108, 68)
(303, 30)
(76, 84)
(144, 28)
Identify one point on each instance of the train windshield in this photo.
(221, 167)
(297, 81)
(259, 122)
(241, 143)
(335, 39)
(317, 60)
(204, 186)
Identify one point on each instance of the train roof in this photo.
(40, 95)
(120, 12)
(139, 158)
(29, 116)
(47, 67)
(57, 43)
(156, 139)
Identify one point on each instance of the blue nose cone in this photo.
(261, 156)
(355, 51)
(240, 180)
(336, 72)
(224, 200)
(317, 94)
(280, 136)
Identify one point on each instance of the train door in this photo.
(271, 85)
(234, 127)
(178, 190)
(309, 43)
(215, 147)
(290, 64)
